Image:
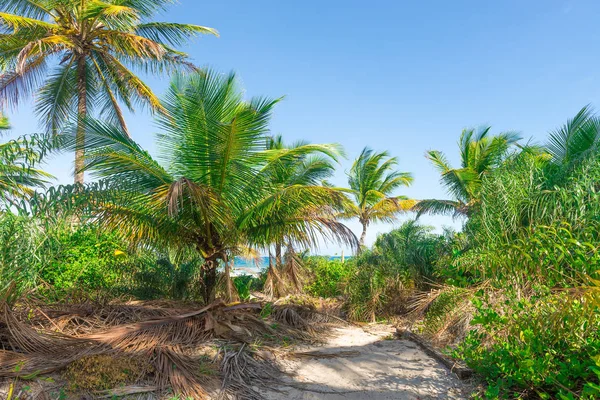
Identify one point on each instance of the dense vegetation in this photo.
(515, 295)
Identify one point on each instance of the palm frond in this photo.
(172, 33)
(439, 207)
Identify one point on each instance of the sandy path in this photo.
(374, 368)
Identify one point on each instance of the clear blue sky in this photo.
(395, 75)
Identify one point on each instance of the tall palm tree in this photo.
(91, 46)
(480, 153)
(211, 188)
(373, 180)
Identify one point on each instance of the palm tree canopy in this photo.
(480, 152)
(372, 180)
(304, 163)
(576, 139)
(97, 41)
(211, 185)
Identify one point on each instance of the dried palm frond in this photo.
(225, 287)
(179, 371)
(45, 340)
(292, 270)
(243, 372)
(274, 286)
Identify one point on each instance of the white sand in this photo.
(383, 369)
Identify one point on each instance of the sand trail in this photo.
(369, 363)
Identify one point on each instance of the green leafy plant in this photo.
(328, 277)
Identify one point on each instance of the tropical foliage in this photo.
(480, 152)
(19, 172)
(515, 295)
(77, 57)
(372, 180)
(213, 190)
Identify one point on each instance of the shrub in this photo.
(546, 346)
(244, 284)
(37, 253)
(376, 288)
(57, 259)
(328, 277)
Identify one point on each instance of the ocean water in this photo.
(243, 266)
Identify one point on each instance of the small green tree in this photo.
(373, 180)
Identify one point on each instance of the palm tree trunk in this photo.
(363, 236)
(278, 262)
(209, 280)
(81, 114)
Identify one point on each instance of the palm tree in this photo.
(479, 153)
(212, 189)
(576, 139)
(91, 44)
(311, 164)
(373, 180)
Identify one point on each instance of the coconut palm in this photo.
(77, 55)
(311, 165)
(480, 153)
(211, 187)
(373, 180)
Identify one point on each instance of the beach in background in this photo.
(244, 266)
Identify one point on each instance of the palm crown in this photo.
(92, 45)
(479, 154)
(579, 137)
(212, 188)
(372, 180)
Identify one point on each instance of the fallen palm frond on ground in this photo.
(444, 312)
(191, 352)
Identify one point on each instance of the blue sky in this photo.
(399, 76)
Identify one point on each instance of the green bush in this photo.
(83, 259)
(56, 259)
(376, 288)
(401, 261)
(328, 277)
(156, 276)
(244, 284)
(546, 346)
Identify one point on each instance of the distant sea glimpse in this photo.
(243, 266)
